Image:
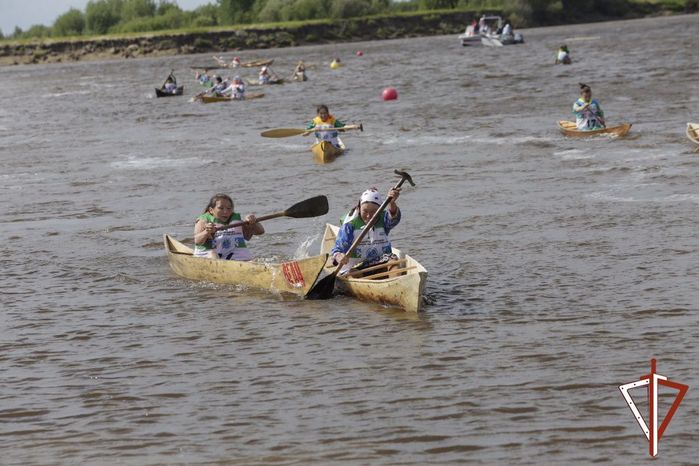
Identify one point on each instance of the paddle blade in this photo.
(281, 132)
(312, 207)
(323, 289)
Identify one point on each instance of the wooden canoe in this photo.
(207, 99)
(404, 291)
(325, 152)
(569, 128)
(257, 63)
(693, 132)
(162, 93)
(295, 277)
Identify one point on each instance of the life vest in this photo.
(588, 119)
(228, 244)
(330, 136)
(374, 245)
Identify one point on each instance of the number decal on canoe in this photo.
(293, 274)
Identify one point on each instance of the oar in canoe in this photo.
(287, 132)
(323, 289)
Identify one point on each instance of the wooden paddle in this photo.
(286, 132)
(312, 207)
(323, 289)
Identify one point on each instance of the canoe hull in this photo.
(325, 152)
(161, 93)
(209, 99)
(404, 291)
(568, 128)
(295, 277)
(693, 132)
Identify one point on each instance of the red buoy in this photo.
(390, 93)
(359, 53)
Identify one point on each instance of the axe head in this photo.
(404, 177)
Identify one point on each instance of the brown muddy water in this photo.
(558, 267)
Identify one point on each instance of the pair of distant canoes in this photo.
(401, 287)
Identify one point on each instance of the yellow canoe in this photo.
(693, 132)
(403, 287)
(325, 152)
(295, 277)
(569, 129)
(208, 99)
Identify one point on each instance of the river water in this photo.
(557, 267)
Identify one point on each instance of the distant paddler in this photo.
(203, 78)
(300, 72)
(324, 127)
(236, 90)
(563, 56)
(267, 76)
(588, 112)
(335, 64)
(170, 84)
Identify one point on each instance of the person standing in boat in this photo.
(563, 56)
(376, 246)
(214, 240)
(588, 112)
(326, 122)
(507, 30)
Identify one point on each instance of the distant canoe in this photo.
(569, 129)
(693, 132)
(295, 277)
(252, 82)
(208, 99)
(325, 152)
(257, 63)
(162, 93)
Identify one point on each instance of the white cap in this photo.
(371, 195)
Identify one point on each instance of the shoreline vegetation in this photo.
(221, 39)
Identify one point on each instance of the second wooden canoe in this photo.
(325, 152)
(295, 277)
(693, 132)
(570, 129)
(404, 291)
(208, 99)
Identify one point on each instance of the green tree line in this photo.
(124, 16)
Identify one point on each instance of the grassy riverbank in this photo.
(294, 33)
